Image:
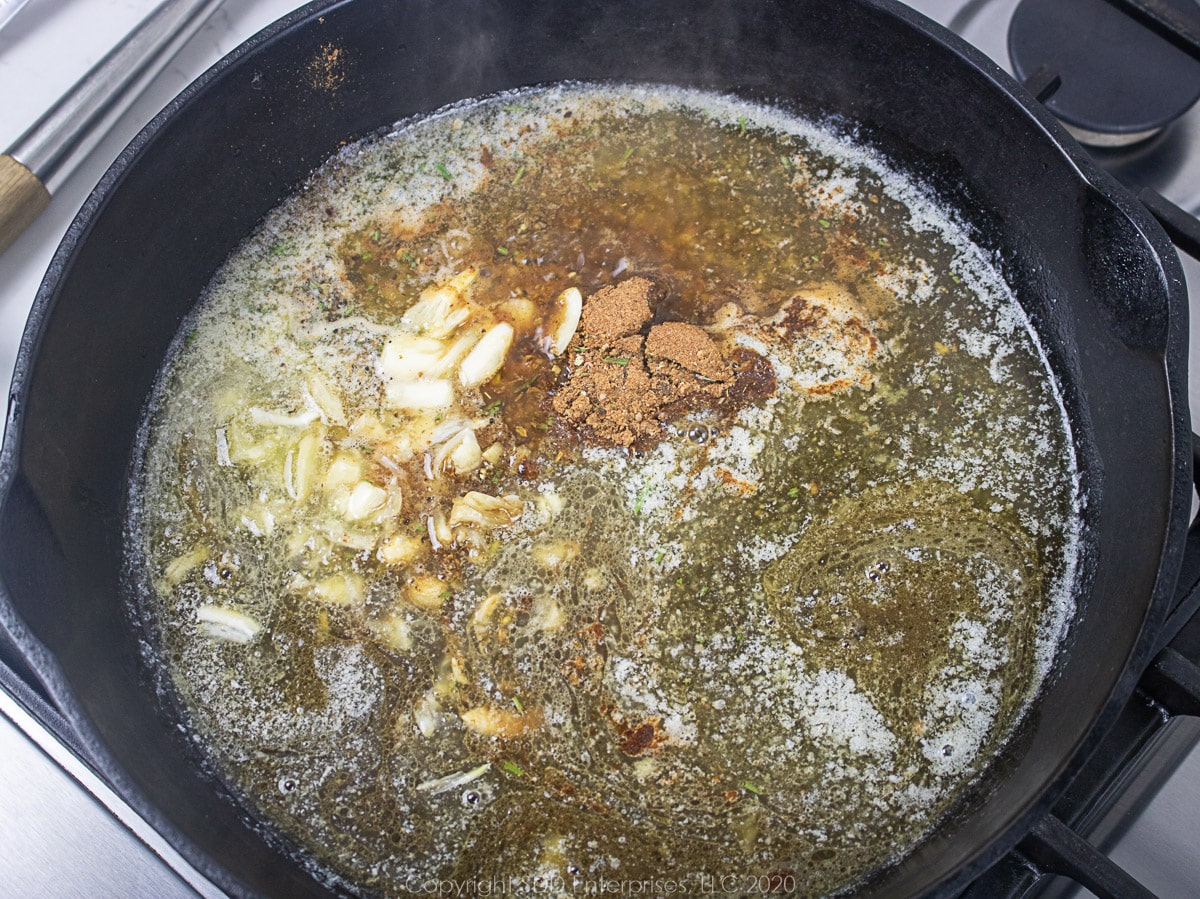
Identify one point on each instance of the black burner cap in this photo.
(1120, 82)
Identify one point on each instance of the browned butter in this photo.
(433, 634)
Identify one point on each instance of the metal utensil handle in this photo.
(8, 9)
(45, 155)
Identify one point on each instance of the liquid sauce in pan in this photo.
(605, 485)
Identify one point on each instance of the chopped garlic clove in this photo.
(221, 623)
(467, 455)
(481, 620)
(303, 468)
(458, 455)
(243, 450)
(427, 592)
(504, 724)
(453, 781)
(427, 714)
(340, 590)
(414, 395)
(441, 528)
(446, 676)
(394, 632)
(259, 520)
(368, 427)
(303, 419)
(441, 309)
(547, 615)
(520, 311)
(181, 566)
(463, 280)
(399, 549)
(480, 510)
(564, 320)
(344, 471)
(326, 400)
(223, 449)
(450, 323)
(407, 357)
(487, 356)
(364, 499)
(454, 355)
(550, 504)
(556, 553)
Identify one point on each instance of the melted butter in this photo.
(782, 639)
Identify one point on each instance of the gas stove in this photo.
(64, 832)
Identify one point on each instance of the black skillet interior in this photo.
(1098, 279)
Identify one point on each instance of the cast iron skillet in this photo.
(1097, 276)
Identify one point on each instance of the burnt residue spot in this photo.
(645, 737)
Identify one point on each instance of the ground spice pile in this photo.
(628, 377)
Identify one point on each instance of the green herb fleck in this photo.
(703, 590)
(503, 251)
(513, 768)
(190, 339)
(659, 556)
(376, 234)
(753, 788)
(824, 223)
(520, 174)
(513, 107)
(742, 124)
(284, 246)
(409, 258)
(625, 156)
(641, 497)
(794, 492)
(517, 705)
(446, 594)
(492, 408)
(955, 278)
(617, 360)
(440, 168)
(366, 257)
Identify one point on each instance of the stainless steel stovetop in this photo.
(64, 833)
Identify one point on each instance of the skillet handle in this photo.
(23, 197)
(36, 165)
